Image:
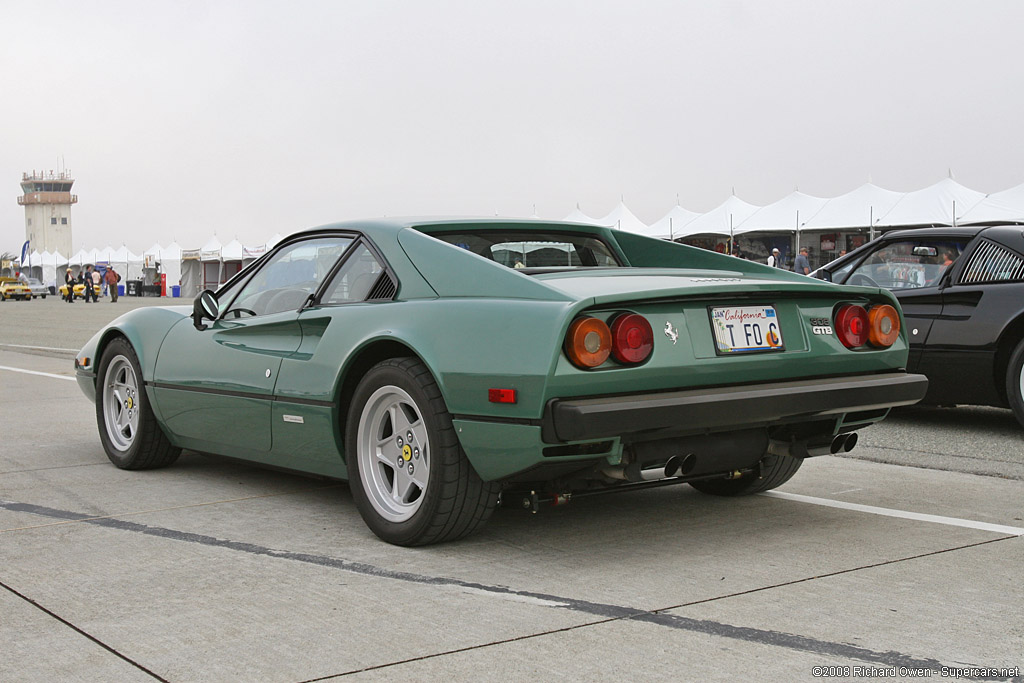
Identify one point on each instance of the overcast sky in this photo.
(183, 119)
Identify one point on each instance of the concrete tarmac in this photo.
(211, 570)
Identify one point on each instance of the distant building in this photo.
(47, 200)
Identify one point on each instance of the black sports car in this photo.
(962, 293)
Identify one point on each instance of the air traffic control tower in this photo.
(47, 200)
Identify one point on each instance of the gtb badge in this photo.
(671, 332)
(821, 326)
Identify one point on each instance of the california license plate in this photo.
(746, 329)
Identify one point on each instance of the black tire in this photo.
(773, 475)
(138, 443)
(1015, 382)
(447, 500)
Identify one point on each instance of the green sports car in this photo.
(438, 365)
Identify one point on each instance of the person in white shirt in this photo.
(774, 257)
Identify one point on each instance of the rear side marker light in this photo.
(852, 326)
(501, 395)
(883, 326)
(588, 343)
(632, 338)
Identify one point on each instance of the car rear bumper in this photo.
(724, 408)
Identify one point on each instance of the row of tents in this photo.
(796, 220)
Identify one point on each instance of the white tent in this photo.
(857, 208)
(231, 254)
(578, 216)
(213, 266)
(273, 240)
(80, 258)
(1006, 206)
(788, 214)
(35, 265)
(671, 225)
(52, 264)
(621, 218)
(170, 265)
(722, 220)
(934, 205)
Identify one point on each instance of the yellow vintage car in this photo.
(13, 288)
(79, 290)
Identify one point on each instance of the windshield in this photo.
(532, 249)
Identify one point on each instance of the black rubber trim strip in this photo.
(241, 394)
(499, 420)
(725, 407)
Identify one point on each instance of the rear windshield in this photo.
(535, 249)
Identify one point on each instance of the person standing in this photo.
(96, 280)
(773, 258)
(111, 279)
(802, 265)
(87, 281)
(69, 282)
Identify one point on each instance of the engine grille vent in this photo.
(993, 263)
(383, 289)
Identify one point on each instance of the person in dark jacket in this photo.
(87, 281)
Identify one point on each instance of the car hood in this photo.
(610, 286)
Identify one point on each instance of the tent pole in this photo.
(871, 224)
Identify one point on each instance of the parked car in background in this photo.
(962, 293)
(438, 364)
(79, 290)
(37, 288)
(13, 288)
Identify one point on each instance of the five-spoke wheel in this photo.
(410, 479)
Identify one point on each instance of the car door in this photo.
(214, 386)
(984, 294)
(916, 270)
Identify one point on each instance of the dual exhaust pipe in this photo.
(682, 465)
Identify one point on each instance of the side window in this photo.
(992, 262)
(289, 277)
(910, 264)
(355, 278)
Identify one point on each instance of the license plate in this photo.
(746, 329)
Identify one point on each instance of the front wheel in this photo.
(773, 475)
(129, 431)
(1015, 382)
(411, 481)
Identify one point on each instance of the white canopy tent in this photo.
(1006, 206)
(621, 218)
(938, 204)
(212, 264)
(722, 220)
(51, 265)
(856, 209)
(170, 265)
(577, 216)
(671, 225)
(231, 258)
(788, 214)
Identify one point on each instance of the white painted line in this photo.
(887, 512)
(38, 348)
(34, 372)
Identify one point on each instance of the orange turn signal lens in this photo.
(588, 343)
(883, 326)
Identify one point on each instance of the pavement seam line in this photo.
(82, 632)
(611, 612)
(839, 572)
(175, 507)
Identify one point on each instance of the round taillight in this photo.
(852, 326)
(632, 338)
(883, 326)
(588, 343)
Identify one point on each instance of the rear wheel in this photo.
(411, 480)
(773, 475)
(129, 431)
(1015, 382)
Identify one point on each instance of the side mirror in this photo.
(204, 307)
